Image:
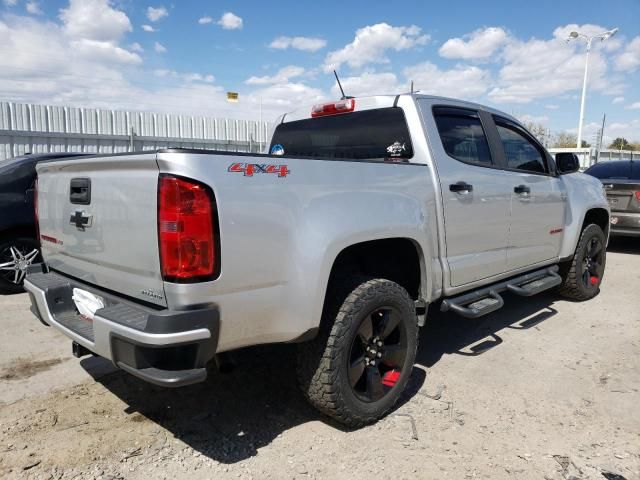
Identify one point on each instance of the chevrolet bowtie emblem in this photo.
(80, 219)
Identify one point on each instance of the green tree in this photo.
(620, 143)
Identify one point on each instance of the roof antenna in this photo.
(344, 97)
(411, 87)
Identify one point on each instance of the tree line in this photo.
(569, 140)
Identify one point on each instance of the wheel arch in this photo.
(399, 259)
(22, 230)
(597, 216)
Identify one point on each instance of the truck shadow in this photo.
(448, 333)
(231, 416)
(629, 245)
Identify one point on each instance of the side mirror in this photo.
(567, 163)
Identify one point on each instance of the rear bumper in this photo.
(164, 347)
(625, 224)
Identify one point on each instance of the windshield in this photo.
(370, 134)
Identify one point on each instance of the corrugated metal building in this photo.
(26, 128)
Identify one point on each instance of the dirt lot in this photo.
(544, 389)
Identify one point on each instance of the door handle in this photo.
(522, 190)
(461, 187)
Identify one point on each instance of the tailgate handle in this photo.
(80, 191)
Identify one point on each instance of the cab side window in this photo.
(462, 135)
(520, 151)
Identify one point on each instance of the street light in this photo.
(573, 36)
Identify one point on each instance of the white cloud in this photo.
(629, 60)
(136, 47)
(48, 66)
(33, 8)
(189, 77)
(477, 45)
(230, 21)
(369, 83)
(205, 20)
(633, 106)
(526, 118)
(617, 100)
(307, 44)
(10, 3)
(552, 107)
(371, 43)
(94, 20)
(156, 13)
(148, 28)
(469, 82)
(282, 76)
(285, 97)
(537, 68)
(629, 130)
(462, 81)
(159, 48)
(104, 51)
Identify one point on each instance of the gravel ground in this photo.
(543, 389)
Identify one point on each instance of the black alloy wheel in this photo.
(593, 263)
(378, 354)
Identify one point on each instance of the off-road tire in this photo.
(572, 286)
(322, 363)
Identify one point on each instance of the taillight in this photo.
(638, 196)
(186, 230)
(333, 108)
(35, 208)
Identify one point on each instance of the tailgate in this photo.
(98, 222)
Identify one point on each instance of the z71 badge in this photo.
(250, 169)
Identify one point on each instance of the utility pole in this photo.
(604, 118)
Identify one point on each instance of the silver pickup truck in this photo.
(365, 214)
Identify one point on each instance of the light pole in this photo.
(602, 36)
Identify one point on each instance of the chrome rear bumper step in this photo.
(487, 299)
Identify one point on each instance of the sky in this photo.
(184, 56)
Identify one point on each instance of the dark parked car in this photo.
(621, 180)
(19, 246)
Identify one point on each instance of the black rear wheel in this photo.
(378, 354)
(16, 254)
(358, 366)
(583, 274)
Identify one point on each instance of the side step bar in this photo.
(487, 299)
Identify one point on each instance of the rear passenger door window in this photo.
(462, 135)
(521, 152)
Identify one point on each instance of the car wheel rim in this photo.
(593, 263)
(378, 353)
(14, 261)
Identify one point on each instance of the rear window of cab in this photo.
(377, 134)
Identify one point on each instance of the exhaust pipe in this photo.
(79, 351)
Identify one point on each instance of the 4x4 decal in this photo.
(249, 169)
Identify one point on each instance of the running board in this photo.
(487, 299)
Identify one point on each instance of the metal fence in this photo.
(27, 128)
